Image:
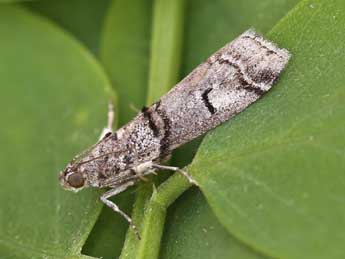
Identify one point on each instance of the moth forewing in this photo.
(218, 89)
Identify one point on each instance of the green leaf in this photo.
(274, 174)
(125, 53)
(53, 103)
(195, 232)
(83, 19)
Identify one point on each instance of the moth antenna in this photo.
(98, 157)
(83, 153)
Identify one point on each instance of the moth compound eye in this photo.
(75, 180)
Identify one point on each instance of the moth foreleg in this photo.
(176, 169)
(110, 122)
(113, 192)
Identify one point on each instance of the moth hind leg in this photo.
(176, 169)
(113, 192)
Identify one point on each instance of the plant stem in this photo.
(155, 213)
(167, 32)
(166, 46)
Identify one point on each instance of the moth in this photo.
(218, 89)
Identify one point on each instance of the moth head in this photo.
(72, 179)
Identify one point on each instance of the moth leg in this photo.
(110, 123)
(111, 115)
(176, 169)
(113, 192)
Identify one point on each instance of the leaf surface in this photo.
(195, 232)
(53, 104)
(84, 19)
